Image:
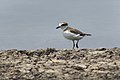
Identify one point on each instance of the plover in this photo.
(71, 33)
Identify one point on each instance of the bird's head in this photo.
(62, 25)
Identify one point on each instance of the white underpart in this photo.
(71, 36)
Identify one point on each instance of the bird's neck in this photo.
(64, 28)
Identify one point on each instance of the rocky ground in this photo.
(53, 64)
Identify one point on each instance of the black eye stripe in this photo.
(64, 24)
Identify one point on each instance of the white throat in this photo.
(64, 27)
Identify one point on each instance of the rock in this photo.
(80, 67)
(101, 49)
(52, 64)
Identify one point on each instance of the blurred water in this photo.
(28, 24)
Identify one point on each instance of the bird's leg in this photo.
(73, 44)
(77, 44)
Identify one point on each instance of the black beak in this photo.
(57, 27)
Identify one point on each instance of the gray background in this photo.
(30, 24)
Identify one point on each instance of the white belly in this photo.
(72, 36)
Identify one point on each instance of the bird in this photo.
(71, 33)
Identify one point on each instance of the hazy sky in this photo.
(29, 24)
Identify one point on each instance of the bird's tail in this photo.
(88, 34)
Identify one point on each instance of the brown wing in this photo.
(75, 31)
